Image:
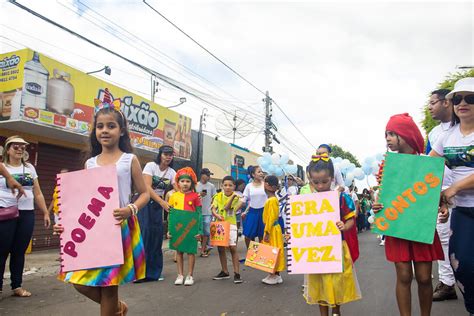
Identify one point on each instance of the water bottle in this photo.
(35, 84)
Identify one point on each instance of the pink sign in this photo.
(315, 246)
(91, 237)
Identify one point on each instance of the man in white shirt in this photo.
(206, 190)
(442, 110)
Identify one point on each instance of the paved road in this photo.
(208, 297)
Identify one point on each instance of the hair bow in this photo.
(323, 157)
(106, 102)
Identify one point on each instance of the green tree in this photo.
(428, 123)
(337, 151)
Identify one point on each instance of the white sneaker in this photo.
(271, 280)
(382, 243)
(189, 280)
(279, 279)
(179, 280)
(266, 278)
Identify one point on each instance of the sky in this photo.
(339, 70)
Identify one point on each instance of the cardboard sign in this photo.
(220, 234)
(183, 228)
(262, 257)
(91, 237)
(410, 192)
(316, 244)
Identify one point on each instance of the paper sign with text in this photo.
(410, 192)
(316, 245)
(183, 227)
(91, 237)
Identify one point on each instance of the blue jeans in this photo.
(461, 252)
(15, 236)
(150, 219)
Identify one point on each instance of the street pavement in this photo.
(207, 297)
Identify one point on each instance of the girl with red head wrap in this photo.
(403, 136)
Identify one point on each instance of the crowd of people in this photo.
(258, 208)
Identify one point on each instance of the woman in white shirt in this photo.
(255, 196)
(456, 145)
(16, 233)
(159, 178)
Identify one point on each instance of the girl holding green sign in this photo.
(403, 136)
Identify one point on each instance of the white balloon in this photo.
(338, 159)
(350, 176)
(369, 160)
(359, 173)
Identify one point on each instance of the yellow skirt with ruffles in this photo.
(333, 288)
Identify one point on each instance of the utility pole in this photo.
(200, 152)
(154, 87)
(269, 125)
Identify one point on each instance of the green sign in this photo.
(410, 193)
(183, 228)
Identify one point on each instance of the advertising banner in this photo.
(36, 88)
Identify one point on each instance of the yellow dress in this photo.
(271, 212)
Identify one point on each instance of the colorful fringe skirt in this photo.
(132, 269)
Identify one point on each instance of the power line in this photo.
(230, 68)
(197, 43)
(131, 36)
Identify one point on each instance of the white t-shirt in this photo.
(159, 177)
(25, 175)
(255, 196)
(433, 136)
(458, 152)
(206, 200)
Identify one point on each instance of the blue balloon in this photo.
(367, 169)
(369, 160)
(379, 157)
(278, 172)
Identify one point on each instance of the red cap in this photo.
(404, 126)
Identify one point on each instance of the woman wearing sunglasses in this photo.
(16, 230)
(457, 147)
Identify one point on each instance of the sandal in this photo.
(21, 292)
(123, 309)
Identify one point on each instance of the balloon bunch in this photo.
(371, 164)
(276, 165)
(349, 170)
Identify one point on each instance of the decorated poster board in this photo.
(410, 192)
(220, 233)
(262, 257)
(315, 245)
(183, 227)
(91, 237)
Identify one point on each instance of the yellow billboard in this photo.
(37, 88)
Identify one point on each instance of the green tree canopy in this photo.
(428, 122)
(337, 151)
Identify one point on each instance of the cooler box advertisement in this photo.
(42, 90)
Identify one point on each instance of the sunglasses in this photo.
(457, 99)
(18, 146)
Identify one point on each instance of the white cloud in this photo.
(338, 69)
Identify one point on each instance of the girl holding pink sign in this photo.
(110, 145)
(331, 289)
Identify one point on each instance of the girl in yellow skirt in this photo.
(332, 289)
(273, 235)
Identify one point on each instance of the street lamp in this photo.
(106, 69)
(181, 101)
(464, 67)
